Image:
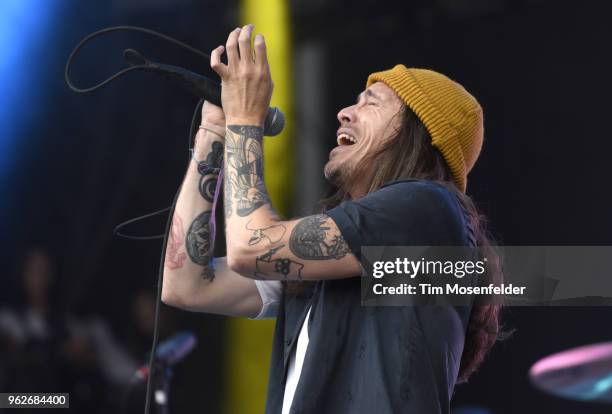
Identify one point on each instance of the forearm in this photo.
(247, 204)
(254, 231)
(189, 248)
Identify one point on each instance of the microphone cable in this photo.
(171, 208)
(122, 72)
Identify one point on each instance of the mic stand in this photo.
(161, 396)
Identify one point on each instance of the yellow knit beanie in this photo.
(451, 115)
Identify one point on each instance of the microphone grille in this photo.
(275, 122)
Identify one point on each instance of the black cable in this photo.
(160, 280)
(116, 230)
(118, 227)
(170, 209)
(122, 72)
(160, 275)
(72, 56)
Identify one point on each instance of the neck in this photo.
(358, 190)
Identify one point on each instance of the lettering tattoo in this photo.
(199, 245)
(175, 258)
(273, 233)
(313, 239)
(244, 161)
(266, 264)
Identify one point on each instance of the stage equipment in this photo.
(583, 373)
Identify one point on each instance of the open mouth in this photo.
(346, 139)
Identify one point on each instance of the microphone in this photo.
(200, 86)
(170, 352)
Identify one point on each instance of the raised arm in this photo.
(189, 279)
(261, 245)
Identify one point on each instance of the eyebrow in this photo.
(370, 94)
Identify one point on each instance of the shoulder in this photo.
(412, 187)
(407, 212)
(412, 196)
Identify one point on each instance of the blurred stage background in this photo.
(76, 303)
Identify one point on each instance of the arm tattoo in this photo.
(174, 259)
(208, 181)
(215, 156)
(266, 265)
(311, 239)
(199, 244)
(207, 187)
(273, 233)
(244, 162)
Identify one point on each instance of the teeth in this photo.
(344, 138)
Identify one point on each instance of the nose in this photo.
(346, 115)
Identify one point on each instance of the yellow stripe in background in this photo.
(250, 342)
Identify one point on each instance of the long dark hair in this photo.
(411, 155)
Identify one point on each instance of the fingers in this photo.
(261, 54)
(244, 43)
(238, 49)
(232, 47)
(215, 61)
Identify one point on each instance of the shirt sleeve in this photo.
(404, 213)
(270, 292)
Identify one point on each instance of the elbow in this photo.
(170, 297)
(241, 261)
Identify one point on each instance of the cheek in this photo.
(369, 145)
(375, 133)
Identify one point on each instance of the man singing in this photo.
(404, 151)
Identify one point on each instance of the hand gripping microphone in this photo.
(200, 86)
